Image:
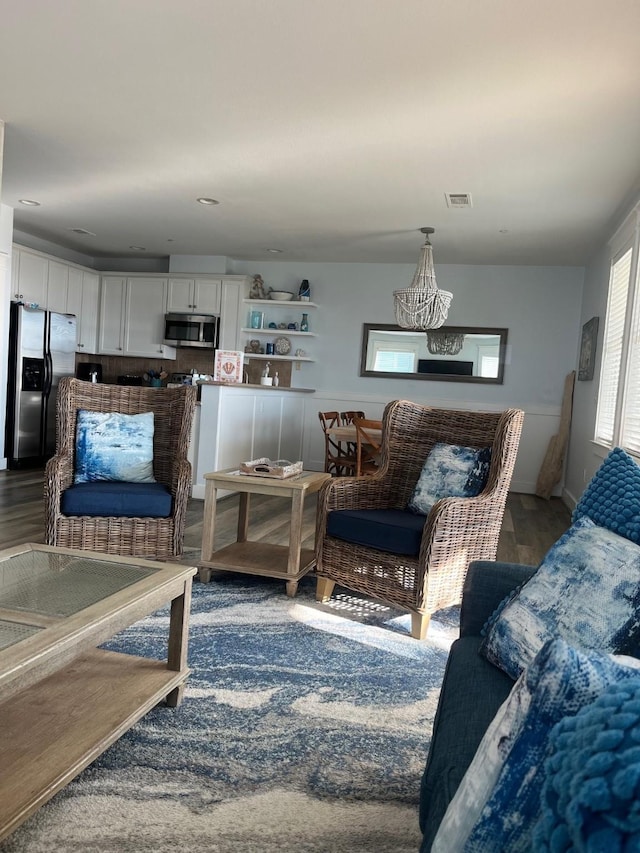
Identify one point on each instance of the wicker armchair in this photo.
(456, 531)
(159, 538)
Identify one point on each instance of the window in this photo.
(395, 358)
(618, 415)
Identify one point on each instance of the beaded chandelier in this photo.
(422, 306)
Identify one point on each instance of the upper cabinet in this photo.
(83, 294)
(132, 312)
(58, 286)
(31, 274)
(194, 295)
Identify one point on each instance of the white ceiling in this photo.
(331, 130)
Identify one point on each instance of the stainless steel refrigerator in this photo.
(42, 347)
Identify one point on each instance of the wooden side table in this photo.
(258, 558)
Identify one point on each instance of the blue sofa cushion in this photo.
(498, 801)
(118, 500)
(585, 590)
(612, 498)
(394, 530)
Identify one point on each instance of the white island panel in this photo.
(243, 422)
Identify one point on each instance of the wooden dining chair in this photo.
(347, 417)
(338, 458)
(368, 445)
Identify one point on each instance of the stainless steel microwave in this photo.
(191, 330)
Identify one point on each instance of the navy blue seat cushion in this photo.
(118, 500)
(395, 530)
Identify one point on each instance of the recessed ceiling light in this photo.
(29, 202)
(138, 248)
(275, 251)
(83, 232)
(207, 201)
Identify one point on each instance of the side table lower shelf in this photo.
(257, 558)
(52, 730)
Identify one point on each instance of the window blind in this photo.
(612, 347)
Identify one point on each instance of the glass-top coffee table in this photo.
(64, 701)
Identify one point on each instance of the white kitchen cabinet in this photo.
(231, 310)
(83, 294)
(57, 287)
(32, 277)
(189, 295)
(132, 316)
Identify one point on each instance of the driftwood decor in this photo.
(553, 463)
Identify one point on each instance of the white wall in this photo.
(540, 306)
(584, 457)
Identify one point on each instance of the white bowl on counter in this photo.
(281, 295)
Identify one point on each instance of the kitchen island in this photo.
(243, 422)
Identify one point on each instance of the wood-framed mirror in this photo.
(448, 354)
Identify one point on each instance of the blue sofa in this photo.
(472, 691)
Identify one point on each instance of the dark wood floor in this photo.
(531, 525)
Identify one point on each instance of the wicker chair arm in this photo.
(355, 493)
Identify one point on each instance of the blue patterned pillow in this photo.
(498, 801)
(450, 471)
(115, 447)
(590, 795)
(586, 590)
(612, 498)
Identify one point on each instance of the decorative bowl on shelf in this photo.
(281, 295)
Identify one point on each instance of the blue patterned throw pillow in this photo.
(612, 498)
(586, 590)
(115, 447)
(498, 802)
(450, 471)
(590, 797)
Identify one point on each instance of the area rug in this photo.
(304, 728)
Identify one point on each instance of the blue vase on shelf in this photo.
(304, 325)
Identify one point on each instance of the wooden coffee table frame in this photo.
(288, 563)
(64, 701)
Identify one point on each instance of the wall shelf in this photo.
(285, 332)
(280, 303)
(265, 357)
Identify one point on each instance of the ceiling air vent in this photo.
(83, 232)
(458, 200)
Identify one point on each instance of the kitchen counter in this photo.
(260, 387)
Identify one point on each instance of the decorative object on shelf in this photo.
(304, 325)
(265, 379)
(304, 293)
(588, 349)
(276, 379)
(269, 349)
(256, 319)
(444, 343)
(282, 346)
(423, 305)
(293, 327)
(282, 325)
(257, 288)
(273, 325)
(280, 295)
(301, 353)
(265, 467)
(228, 366)
(254, 346)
